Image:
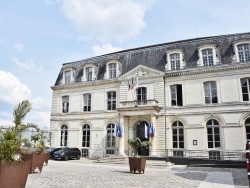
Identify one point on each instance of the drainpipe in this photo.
(165, 121)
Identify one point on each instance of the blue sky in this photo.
(38, 36)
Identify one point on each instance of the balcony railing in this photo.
(138, 103)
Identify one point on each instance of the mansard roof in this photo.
(154, 56)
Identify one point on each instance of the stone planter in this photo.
(37, 160)
(14, 174)
(137, 164)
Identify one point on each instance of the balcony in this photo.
(139, 103)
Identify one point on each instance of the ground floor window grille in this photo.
(177, 153)
(85, 152)
(110, 151)
(214, 155)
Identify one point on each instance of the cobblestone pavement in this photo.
(84, 174)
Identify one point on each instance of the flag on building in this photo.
(118, 131)
(128, 86)
(132, 84)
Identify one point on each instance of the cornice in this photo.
(202, 70)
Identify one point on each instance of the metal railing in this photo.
(135, 103)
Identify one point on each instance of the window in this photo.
(245, 87)
(110, 141)
(244, 52)
(210, 90)
(213, 134)
(207, 57)
(65, 104)
(67, 77)
(112, 70)
(141, 93)
(85, 135)
(111, 100)
(64, 135)
(176, 95)
(175, 61)
(247, 124)
(178, 134)
(87, 102)
(88, 71)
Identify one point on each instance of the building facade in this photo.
(194, 93)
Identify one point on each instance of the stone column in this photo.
(121, 139)
(153, 140)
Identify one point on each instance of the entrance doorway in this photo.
(141, 129)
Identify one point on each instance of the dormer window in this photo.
(242, 51)
(207, 55)
(68, 76)
(89, 73)
(175, 60)
(112, 69)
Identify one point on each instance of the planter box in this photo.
(14, 174)
(137, 164)
(37, 160)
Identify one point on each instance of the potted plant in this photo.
(37, 151)
(137, 163)
(13, 168)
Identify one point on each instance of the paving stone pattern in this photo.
(84, 174)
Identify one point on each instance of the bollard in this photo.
(248, 160)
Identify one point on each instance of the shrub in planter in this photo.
(137, 163)
(13, 168)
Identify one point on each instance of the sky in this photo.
(38, 36)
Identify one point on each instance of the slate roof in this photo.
(154, 56)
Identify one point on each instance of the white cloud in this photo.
(108, 20)
(19, 47)
(104, 49)
(27, 65)
(12, 92)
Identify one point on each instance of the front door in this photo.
(141, 128)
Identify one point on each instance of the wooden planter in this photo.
(137, 164)
(14, 174)
(37, 160)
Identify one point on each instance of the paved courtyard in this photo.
(84, 173)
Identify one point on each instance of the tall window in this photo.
(111, 100)
(176, 95)
(65, 104)
(244, 52)
(175, 61)
(141, 93)
(210, 90)
(87, 102)
(67, 76)
(64, 135)
(213, 134)
(207, 57)
(85, 135)
(110, 141)
(178, 134)
(88, 71)
(247, 124)
(245, 87)
(112, 70)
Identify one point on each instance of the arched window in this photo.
(213, 134)
(110, 141)
(178, 135)
(64, 135)
(85, 135)
(247, 124)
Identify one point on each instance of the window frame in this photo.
(215, 55)
(247, 129)
(87, 98)
(236, 57)
(215, 131)
(176, 133)
(245, 92)
(170, 61)
(210, 91)
(86, 136)
(111, 100)
(65, 104)
(64, 137)
(177, 94)
(70, 80)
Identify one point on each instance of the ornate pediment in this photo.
(141, 71)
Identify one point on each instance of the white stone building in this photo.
(196, 94)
